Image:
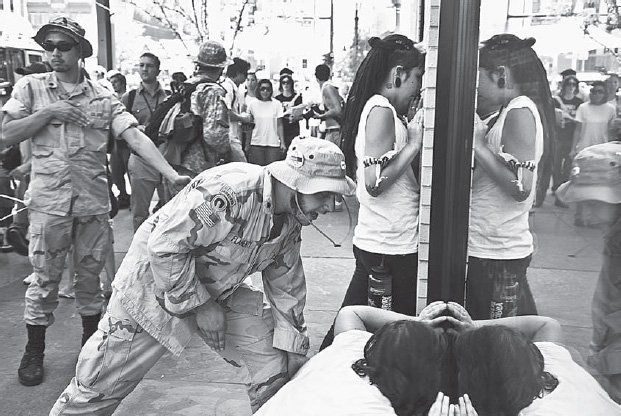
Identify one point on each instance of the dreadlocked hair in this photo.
(404, 359)
(385, 54)
(500, 370)
(527, 71)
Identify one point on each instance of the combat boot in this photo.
(30, 372)
(89, 326)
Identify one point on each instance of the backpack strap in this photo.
(130, 100)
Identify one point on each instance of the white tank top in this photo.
(388, 223)
(498, 223)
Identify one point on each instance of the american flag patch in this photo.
(207, 214)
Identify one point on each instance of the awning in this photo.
(16, 31)
(605, 39)
(564, 36)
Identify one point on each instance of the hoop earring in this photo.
(501, 82)
(397, 82)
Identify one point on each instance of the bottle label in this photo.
(387, 303)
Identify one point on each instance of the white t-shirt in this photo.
(233, 100)
(498, 223)
(577, 393)
(266, 114)
(327, 385)
(595, 120)
(387, 223)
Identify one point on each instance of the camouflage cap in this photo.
(70, 28)
(313, 165)
(212, 54)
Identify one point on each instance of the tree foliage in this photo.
(191, 21)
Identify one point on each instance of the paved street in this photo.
(562, 276)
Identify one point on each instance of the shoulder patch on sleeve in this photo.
(224, 198)
(207, 214)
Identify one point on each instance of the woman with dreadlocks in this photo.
(517, 113)
(379, 148)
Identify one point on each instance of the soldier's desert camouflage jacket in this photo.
(202, 245)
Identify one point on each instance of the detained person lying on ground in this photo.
(385, 363)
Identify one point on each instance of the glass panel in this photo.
(552, 230)
(3, 66)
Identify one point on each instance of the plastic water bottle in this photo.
(380, 287)
(504, 298)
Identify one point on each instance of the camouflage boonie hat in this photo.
(596, 175)
(313, 165)
(212, 54)
(68, 27)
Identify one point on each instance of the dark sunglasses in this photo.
(265, 89)
(61, 46)
(286, 82)
(598, 92)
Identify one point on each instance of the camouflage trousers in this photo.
(51, 237)
(120, 353)
(333, 134)
(605, 347)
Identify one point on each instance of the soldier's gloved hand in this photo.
(68, 112)
(294, 362)
(179, 182)
(211, 322)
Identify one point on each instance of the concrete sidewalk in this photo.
(562, 275)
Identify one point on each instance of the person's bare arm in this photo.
(142, 145)
(365, 318)
(518, 139)
(534, 328)
(332, 101)
(380, 139)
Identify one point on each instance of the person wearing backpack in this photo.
(207, 102)
(141, 102)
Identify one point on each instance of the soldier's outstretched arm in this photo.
(145, 148)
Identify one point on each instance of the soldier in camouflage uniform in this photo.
(69, 119)
(185, 273)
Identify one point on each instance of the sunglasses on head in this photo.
(61, 46)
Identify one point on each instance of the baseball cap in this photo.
(285, 71)
(33, 68)
(596, 175)
(313, 165)
(567, 72)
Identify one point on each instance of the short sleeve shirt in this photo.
(68, 175)
(266, 115)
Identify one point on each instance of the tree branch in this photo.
(161, 20)
(238, 25)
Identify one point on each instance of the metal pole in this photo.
(104, 34)
(452, 155)
(356, 39)
(331, 32)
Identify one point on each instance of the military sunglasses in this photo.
(61, 46)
